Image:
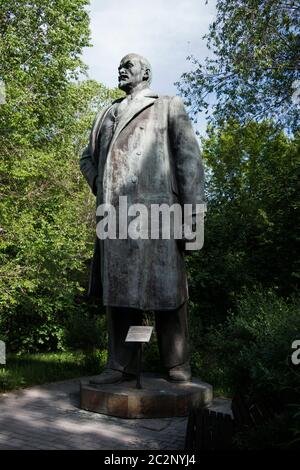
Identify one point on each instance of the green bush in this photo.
(255, 344)
(86, 329)
(251, 354)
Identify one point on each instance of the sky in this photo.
(164, 31)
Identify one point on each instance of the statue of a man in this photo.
(143, 147)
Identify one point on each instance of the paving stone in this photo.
(48, 417)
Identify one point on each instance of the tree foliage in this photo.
(46, 209)
(251, 354)
(253, 70)
(252, 222)
(40, 47)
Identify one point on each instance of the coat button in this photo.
(139, 153)
(134, 179)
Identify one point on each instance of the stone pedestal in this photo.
(158, 398)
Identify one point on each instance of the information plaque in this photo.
(139, 334)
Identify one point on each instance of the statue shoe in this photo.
(108, 376)
(180, 373)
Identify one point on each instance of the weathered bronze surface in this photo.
(142, 147)
(151, 156)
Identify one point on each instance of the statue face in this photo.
(131, 73)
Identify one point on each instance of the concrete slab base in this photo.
(158, 398)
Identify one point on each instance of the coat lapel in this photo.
(96, 128)
(144, 99)
(98, 124)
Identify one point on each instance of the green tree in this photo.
(46, 209)
(252, 223)
(40, 47)
(253, 68)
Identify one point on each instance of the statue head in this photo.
(134, 69)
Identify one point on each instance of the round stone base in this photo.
(158, 398)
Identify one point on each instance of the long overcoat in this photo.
(152, 157)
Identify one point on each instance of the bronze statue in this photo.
(143, 147)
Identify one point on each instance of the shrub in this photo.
(254, 345)
(86, 330)
(252, 351)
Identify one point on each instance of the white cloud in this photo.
(164, 31)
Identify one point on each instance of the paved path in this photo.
(49, 417)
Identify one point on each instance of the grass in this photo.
(24, 370)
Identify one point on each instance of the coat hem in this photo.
(145, 309)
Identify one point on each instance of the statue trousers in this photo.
(171, 328)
